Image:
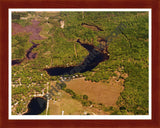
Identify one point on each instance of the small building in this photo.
(62, 23)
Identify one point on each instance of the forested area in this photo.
(128, 53)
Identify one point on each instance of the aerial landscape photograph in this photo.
(79, 63)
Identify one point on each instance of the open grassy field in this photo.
(71, 106)
(98, 92)
(66, 104)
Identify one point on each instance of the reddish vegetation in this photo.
(34, 29)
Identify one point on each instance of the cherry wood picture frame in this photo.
(4, 54)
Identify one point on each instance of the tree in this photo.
(85, 97)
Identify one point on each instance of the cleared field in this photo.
(66, 104)
(45, 30)
(71, 106)
(105, 93)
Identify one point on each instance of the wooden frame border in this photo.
(6, 4)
